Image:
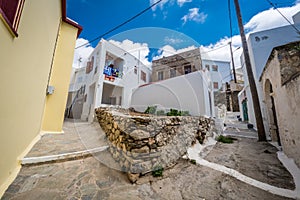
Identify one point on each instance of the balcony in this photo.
(111, 73)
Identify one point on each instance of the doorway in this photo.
(271, 109)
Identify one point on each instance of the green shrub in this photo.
(225, 139)
(150, 110)
(193, 161)
(174, 112)
(160, 112)
(157, 171)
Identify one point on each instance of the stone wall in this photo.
(281, 89)
(139, 143)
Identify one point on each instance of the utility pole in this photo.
(256, 105)
(232, 61)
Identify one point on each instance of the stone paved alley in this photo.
(97, 177)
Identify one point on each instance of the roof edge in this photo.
(67, 20)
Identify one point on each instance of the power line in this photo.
(215, 49)
(272, 4)
(120, 25)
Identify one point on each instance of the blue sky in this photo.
(179, 23)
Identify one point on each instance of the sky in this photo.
(174, 26)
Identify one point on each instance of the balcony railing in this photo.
(112, 73)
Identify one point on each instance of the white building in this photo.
(219, 72)
(260, 46)
(190, 92)
(75, 95)
(111, 75)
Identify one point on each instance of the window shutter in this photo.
(12, 9)
(9, 7)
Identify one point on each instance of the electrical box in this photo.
(50, 89)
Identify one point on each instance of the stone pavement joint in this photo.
(61, 157)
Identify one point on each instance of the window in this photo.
(216, 85)
(214, 68)
(143, 76)
(207, 67)
(79, 79)
(160, 76)
(135, 69)
(89, 66)
(187, 69)
(10, 11)
(172, 73)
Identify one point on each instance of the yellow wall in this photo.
(60, 77)
(25, 64)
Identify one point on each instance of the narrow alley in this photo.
(96, 175)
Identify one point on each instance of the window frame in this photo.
(215, 68)
(216, 84)
(162, 75)
(143, 76)
(14, 24)
(172, 72)
(187, 69)
(207, 66)
(135, 70)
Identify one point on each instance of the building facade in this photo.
(280, 82)
(176, 65)
(260, 46)
(219, 72)
(36, 58)
(111, 75)
(76, 93)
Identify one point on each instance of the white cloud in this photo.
(139, 50)
(169, 2)
(181, 2)
(256, 23)
(194, 15)
(271, 18)
(168, 50)
(82, 52)
(221, 51)
(170, 40)
(160, 5)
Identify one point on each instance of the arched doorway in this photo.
(271, 109)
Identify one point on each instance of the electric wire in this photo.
(120, 25)
(272, 4)
(214, 49)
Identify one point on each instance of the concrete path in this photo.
(193, 153)
(235, 128)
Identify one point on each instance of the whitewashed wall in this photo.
(187, 92)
